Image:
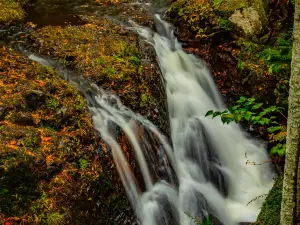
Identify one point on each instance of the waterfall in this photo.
(202, 170)
(209, 157)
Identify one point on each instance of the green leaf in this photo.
(282, 151)
(255, 118)
(238, 118)
(257, 106)
(210, 112)
(217, 2)
(262, 113)
(242, 99)
(264, 121)
(233, 108)
(227, 118)
(278, 149)
(207, 221)
(216, 114)
(248, 115)
(275, 149)
(249, 102)
(274, 129)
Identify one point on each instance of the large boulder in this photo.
(248, 16)
(248, 20)
(205, 18)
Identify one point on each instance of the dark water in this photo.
(73, 12)
(56, 12)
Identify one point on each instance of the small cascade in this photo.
(202, 170)
(210, 157)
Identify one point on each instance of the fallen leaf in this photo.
(46, 139)
(14, 142)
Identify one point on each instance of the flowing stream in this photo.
(202, 171)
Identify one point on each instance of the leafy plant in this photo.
(83, 163)
(278, 58)
(249, 111)
(197, 14)
(135, 60)
(217, 2)
(207, 220)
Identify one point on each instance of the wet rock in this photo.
(23, 119)
(3, 112)
(248, 20)
(34, 99)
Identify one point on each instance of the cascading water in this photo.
(204, 171)
(209, 158)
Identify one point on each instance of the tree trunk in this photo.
(290, 207)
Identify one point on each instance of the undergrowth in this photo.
(252, 113)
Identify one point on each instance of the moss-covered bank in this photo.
(53, 167)
(109, 56)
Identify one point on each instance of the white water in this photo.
(208, 158)
(205, 171)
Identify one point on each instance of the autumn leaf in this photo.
(14, 142)
(29, 153)
(46, 139)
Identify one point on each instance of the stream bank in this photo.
(52, 161)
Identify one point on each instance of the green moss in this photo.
(193, 13)
(32, 141)
(11, 10)
(231, 5)
(270, 212)
(197, 15)
(55, 218)
(144, 99)
(205, 18)
(83, 163)
(113, 64)
(49, 165)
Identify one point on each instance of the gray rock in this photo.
(248, 20)
(34, 99)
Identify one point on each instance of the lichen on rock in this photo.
(206, 17)
(248, 21)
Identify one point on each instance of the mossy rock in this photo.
(205, 18)
(270, 212)
(230, 5)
